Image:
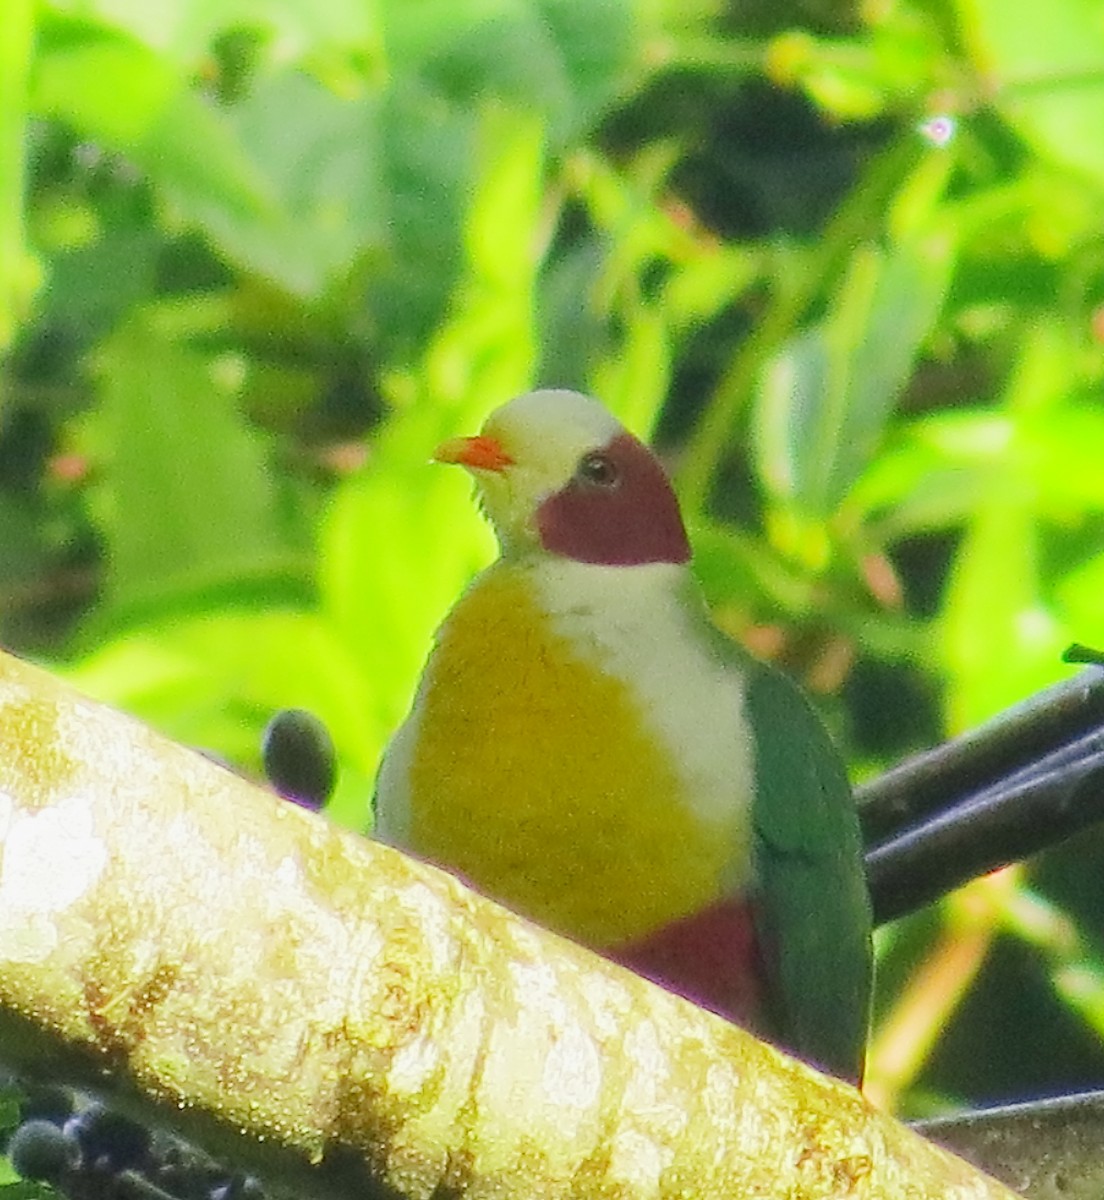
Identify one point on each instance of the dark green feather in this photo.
(812, 905)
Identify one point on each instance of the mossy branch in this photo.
(350, 1022)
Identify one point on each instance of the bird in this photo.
(587, 748)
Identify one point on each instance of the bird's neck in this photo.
(628, 595)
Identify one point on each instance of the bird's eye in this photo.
(598, 470)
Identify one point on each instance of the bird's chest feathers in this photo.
(579, 754)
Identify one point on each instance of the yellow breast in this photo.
(535, 774)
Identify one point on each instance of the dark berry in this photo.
(107, 1139)
(40, 1150)
(48, 1101)
(299, 758)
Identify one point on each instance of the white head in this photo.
(557, 472)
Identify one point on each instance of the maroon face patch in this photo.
(618, 509)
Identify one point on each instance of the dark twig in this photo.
(1044, 1148)
(991, 828)
(1026, 780)
(933, 781)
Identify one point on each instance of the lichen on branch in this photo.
(351, 1022)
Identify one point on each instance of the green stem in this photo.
(705, 53)
(1013, 742)
(856, 219)
(15, 57)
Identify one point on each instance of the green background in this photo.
(257, 257)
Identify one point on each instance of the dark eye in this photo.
(598, 470)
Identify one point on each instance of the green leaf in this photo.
(1044, 70)
(429, 149)
(824, 401)
(18, 271)
(288, 183)
(565, 58)
(321, 157)
(633, 379)
(22, 544)
(1079, 598)
(703, 286)
(28, 1189)
(1063, 454)
(400, 541)
(572, 329)
(121, 94)
(184, 29)
(398, 545)
(93, 285)
(933, 473)
(192, 505)
(1000, 639)
(734, 568)
(598, 46)
(213, 678)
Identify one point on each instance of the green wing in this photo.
(812, 905)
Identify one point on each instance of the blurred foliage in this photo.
(845, 263)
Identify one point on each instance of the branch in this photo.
(1026, 780)
(352, 1023)
(1049, 1148)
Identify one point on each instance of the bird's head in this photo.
(556, 472)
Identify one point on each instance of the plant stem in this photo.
(856, 220)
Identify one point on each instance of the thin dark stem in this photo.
(1036, 807)
(938, 780)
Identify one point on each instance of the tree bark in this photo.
(353, 1023)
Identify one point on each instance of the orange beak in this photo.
(476, 453)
